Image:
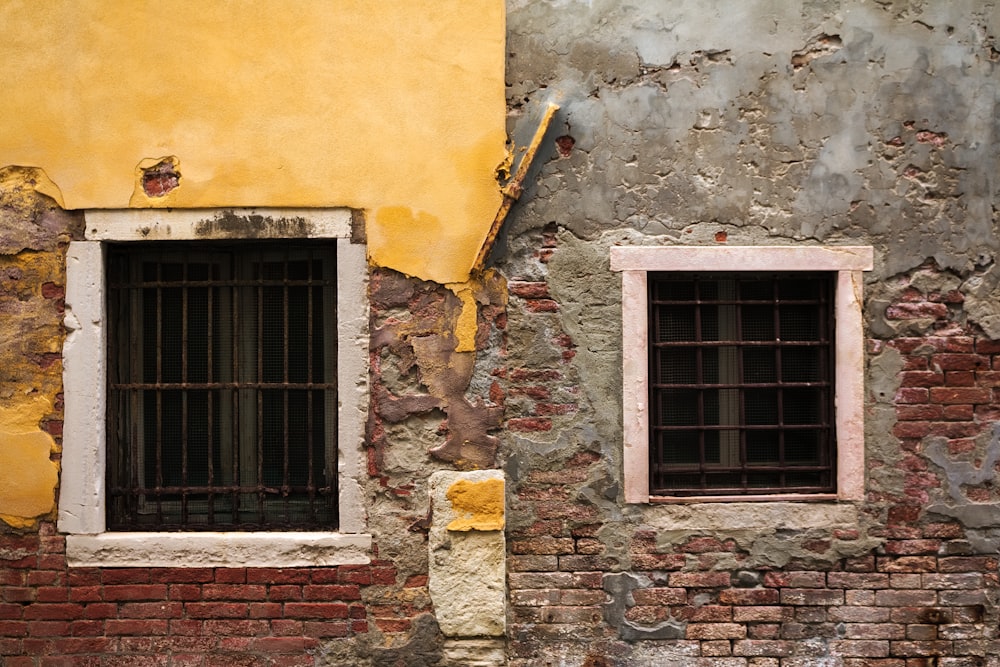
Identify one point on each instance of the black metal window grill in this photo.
(741, 384)
(222, 398)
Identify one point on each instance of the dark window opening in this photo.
(741, 384)
(222, 386)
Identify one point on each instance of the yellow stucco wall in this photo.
(388, 106)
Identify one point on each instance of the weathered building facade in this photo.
(720, 389)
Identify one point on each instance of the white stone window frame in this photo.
(847, 262)
(82, 499)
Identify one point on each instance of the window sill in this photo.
(763, 498)
(230, 549)
(758, 517)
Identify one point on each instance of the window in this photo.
(222, 409)
(215, 387)
(742, 371)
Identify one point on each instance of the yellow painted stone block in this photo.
(478, 505)
(30, 477)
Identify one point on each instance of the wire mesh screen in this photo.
(741, 383)
(222, 387)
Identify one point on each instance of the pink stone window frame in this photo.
(848, 262)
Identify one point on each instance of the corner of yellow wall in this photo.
(30, 475)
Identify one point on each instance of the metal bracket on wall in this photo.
(512, 191)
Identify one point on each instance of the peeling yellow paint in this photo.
(25, 180)
(395, 108)
(140, 199)
(479, 505)
(30, 476)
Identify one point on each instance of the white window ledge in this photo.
(847, 262)
(230, 549)
(82, 491)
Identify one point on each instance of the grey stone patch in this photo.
(422, 648)
(982, 518)
(620, 586)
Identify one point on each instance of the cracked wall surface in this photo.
(762, 123)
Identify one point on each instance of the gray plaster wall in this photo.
(852, 122)
(833, 121)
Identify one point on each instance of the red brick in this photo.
(216, 609)
(749, 596)
(987, 346)
(921, 649)
(959, 412)
(716, 631)
(19, 594)
(77, 645)
(960, 395)
(758, 647)
(907, 564)
(234, 592)
(316, 610)
(660, 596)
(914, 311)
(919, 412)
(874, 631)
(97, 610)
(913, 379)
(236, 627)
(48, 628)
(182, 575)
(699, 579)
(575, 614)
(541, 305)
(544, 545)
(912, 395)
(859, 614)
(959, 362)
(905, 598)
(129, 575)
(136, 592)
(528, 290)
(529, 424)
(860, 648)
(135, 627)
(912, 547)
(758, 614)
(967, 564)
(285, 593)
(354, 574)
(709, 613)
(795, 579)
(857, 580)
(265, 610)
(331, 592)
(235, 575)
(151, 610)
(811, 596)
(53, 612)
(960, 379)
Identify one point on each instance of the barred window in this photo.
(741, 384)
(742, 372)
(222, 396)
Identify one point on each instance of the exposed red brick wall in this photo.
(923, 596)
(51, 614)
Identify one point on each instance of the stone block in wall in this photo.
(467, 552)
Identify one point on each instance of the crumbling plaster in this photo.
(762, 123)
(692, 112)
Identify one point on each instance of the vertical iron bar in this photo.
(210, 377)
(260, 392)
(235, 272)
(780, 377)
(285, 481)
(310, 435)
(184, 393)
(159, 393)
(700, 377)
(741, 392)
